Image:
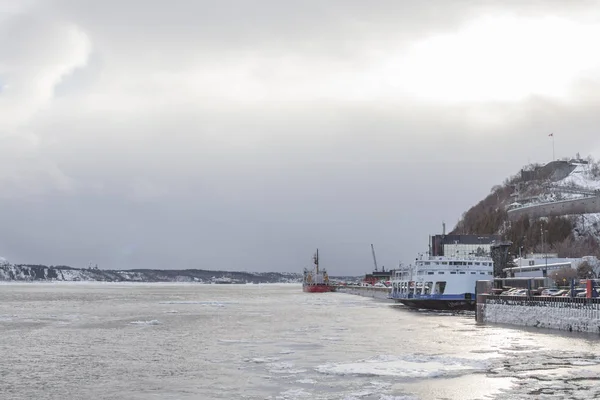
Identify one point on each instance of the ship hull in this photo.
(439, 304)
(318, 288)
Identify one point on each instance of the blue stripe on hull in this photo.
(462, 296)
(443, 305)
(464, 301)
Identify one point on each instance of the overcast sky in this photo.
(242, 135)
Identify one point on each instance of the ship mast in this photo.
(316, 259)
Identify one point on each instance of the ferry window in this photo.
(441, 272)
(440, 287)
(462, 272)
(430, 273)
(473, 273)
(482, 273)
(489, 273)
(428, 286)
(444, 263)
(426, 262)
(477, 263)
(453, 272)
(470, 263)
(437, 263)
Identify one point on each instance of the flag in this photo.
(552, 134)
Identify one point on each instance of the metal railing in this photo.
(546, 301)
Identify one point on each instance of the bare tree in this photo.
(585, 271)
(563, 276)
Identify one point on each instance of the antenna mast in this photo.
(374, 259)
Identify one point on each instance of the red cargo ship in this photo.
(315, 280)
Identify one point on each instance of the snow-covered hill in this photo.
(538, 209)
(582, 182)
(11, 272)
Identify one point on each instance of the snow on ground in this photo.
(581, 176)
(588, 224)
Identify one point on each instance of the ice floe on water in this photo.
(541, 361)
(284, 367)
(372, 390)
(296, 393)
(261, 360)
(309, 328)
(549, 375)
(409, 366)
(331, 338)
(202, 303)
(306, 381)
(151, 322)
(239, 341)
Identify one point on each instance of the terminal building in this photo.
(541, 265)
(462, 245)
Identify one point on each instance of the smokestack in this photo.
(443, 228)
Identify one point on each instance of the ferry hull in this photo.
(318, 288)
(439, 304)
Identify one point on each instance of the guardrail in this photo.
(578, 314)
(552, 301)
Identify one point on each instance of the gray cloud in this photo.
(243, 135)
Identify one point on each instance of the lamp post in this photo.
(546, 258)
(520, 256)
(545, 272)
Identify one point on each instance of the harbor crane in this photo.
(374, 258)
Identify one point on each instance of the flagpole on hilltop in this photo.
(553, 157)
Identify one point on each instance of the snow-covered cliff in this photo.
(583, 182)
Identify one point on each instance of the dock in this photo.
(381, 293)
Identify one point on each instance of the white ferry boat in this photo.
(441, 283)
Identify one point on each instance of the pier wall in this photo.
(366, 291)
(562, 313)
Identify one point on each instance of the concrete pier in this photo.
(562, 313)
(381, 293)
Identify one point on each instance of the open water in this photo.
(188, 341)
